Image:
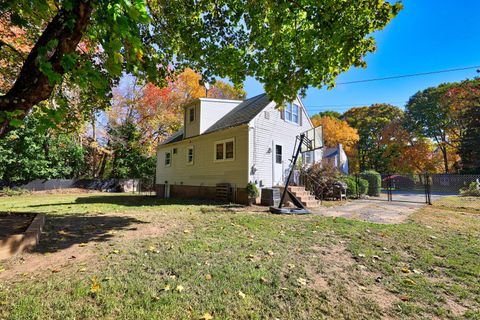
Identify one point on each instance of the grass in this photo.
(164, 260)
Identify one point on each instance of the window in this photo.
(224, 150)
(278, 154)
(190, 155)
(191, 114)
(174, 151)
(168, 159)
(229, 150)
(307, 157)
(292, 113)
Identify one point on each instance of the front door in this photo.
(278, 168)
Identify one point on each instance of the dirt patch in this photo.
(73, 241)
(342, 278)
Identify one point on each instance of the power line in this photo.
(340, 106)
(409, 75)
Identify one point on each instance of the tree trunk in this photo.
(445, 158)
(32, 85)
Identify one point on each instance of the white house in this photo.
(231, 142)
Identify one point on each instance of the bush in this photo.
(374, 182)
(252, 190)
(320, 179)
(362, 186)
(355, 186)
(472, 190)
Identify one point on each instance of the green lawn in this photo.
(131, 257)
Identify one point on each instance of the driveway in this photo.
(379, 210)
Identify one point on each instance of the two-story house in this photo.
(231, 142)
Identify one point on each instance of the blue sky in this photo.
(427, 35)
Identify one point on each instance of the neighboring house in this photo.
(230, 142)
(336, 157)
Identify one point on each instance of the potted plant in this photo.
(252, 193)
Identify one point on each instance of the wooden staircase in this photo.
(307, 199)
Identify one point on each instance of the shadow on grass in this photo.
(63, 231)
(127, 200)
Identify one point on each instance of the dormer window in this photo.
(292, 112)
(191, 114)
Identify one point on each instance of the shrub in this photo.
(374, 182)
(362, 186)
(320, 179)
(252, 190)
(355, 186)
(472, 190)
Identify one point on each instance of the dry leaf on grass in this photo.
(241, 294)
(95, 285)
(206, 316)
(180, 288)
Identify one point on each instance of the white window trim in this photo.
(298, 114)
(190, 163)
(165, 159)
(224, 143)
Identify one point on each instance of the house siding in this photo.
(205, 171)
(192, 129)
(264, 134)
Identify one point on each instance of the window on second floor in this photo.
(191, 114)
(292, 113)
(168, 159)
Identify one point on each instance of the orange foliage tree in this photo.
(336, 131)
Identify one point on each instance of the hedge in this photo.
(374, 182)
(352, 190)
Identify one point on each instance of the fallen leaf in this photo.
(82, 244)
(410, 281)
(208, 277)
(82, 269)
(417, 271)
(291, 266)
(361, 255)
(376, 257)
(405, 270)
(166, 288)
(433, 237)
(115, 251)
(180, 288)
(186, 231)
(270, 253)
(263, 280)
(55, 270)
(404, 298)
(206, 316)
(95, 286)
(241, 294)
(2, 269)
(62, 232)
(302, 281)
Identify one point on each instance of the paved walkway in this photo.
(379, 210)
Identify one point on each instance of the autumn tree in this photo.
(371, 122)
(287, 45)
(464, 99)
(336, 131)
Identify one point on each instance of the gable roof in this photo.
(241, 114)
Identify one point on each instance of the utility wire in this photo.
(410, 75)
(340, 106)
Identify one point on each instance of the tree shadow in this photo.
(63, 231)
(130, 201)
